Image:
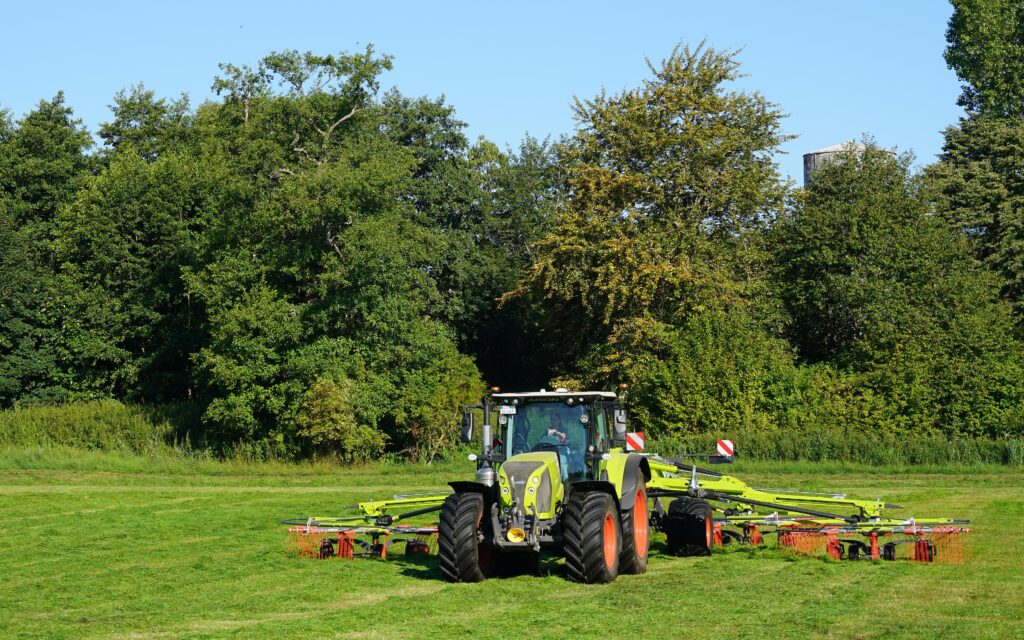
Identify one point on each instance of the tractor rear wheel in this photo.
(689, 527)
(591, 537)
(635, 531)
(461, 556)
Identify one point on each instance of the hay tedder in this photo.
(561, 472)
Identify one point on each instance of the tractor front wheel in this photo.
(461, 556)
(592, 537)
(689, 527)
(635, 531)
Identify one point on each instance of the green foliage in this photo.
(327, 418)
(328, 274)
(715, 371)
(986, 50)
(42, 160)
(28, 358)
(305, 267)
(105, 424)
(148, 124)
(128, 325)
(653, 274)
(977, 187)
(42, 163)
(866, 446)
(878, 286)
(669, 183)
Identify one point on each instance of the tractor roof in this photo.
(556, 394)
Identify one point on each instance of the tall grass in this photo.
(103, 424)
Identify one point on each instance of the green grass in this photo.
(104, 545)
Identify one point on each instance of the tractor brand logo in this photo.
(635, 441)
(725, 448)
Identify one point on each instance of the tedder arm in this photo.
(342, 536)
(807, 522)
(672, 478)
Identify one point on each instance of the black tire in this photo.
(636, 532)
(460, 555)
(591, 537)
(689, 527)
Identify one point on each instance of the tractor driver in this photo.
(556, 436)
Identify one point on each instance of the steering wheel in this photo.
(546, 446)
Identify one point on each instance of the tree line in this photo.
(308, 265)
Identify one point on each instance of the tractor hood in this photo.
(531, 482)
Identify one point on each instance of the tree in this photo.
(518, 195)
(878, 286)
(321, 277)
(977, 187)
(149, 124)
(489, 206)
(986, 50)
(29, 340)
(129, 326)
(670, 186)
(42, 160)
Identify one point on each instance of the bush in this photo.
(102, 424)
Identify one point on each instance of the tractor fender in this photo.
(627, 480)
(466, 486)
(595, 485)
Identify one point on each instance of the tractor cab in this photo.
(574, 426)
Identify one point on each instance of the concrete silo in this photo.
(813, 160)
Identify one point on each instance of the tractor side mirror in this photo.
(467, 427)
(619, 425)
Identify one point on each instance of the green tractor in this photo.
(554, 476)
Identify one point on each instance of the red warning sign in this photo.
(725, 448)
(635, 441)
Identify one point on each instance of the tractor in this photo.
(554, 475)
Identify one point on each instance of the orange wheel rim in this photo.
(640, 523)
(609, 541)
(707, 533)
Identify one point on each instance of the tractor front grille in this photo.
(519, 474)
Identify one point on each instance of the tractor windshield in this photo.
(549, 426)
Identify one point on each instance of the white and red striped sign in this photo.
(635, 441)
(725, 448)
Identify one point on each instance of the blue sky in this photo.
(839, 69)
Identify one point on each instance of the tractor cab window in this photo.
(551, 426)
(602, 429)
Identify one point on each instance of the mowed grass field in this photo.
(100, 546)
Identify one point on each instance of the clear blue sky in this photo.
(839, 69)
